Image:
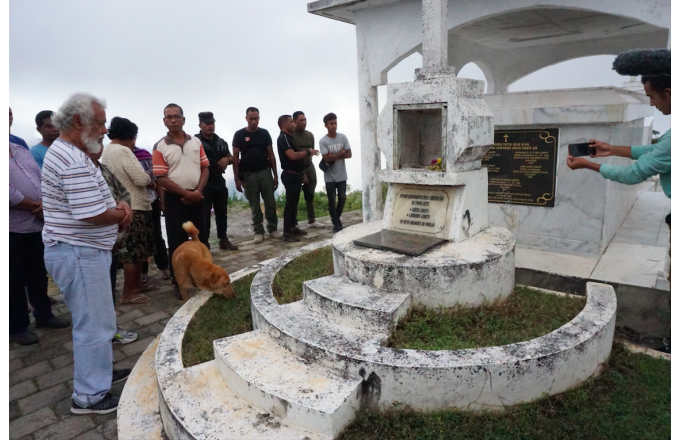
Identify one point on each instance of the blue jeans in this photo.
(82, 274)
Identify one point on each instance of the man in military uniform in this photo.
(215, 192)
(305, 140)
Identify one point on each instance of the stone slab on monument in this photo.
(462, 213)
(400, 242)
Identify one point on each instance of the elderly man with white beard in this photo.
(81, 223)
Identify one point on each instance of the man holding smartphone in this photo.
(650, 160)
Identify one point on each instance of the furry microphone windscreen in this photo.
(645, 62)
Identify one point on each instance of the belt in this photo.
(293, 172)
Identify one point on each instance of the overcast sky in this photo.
(219, 56)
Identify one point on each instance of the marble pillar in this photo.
(370, 154)
(435, 35)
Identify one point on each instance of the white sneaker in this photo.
(276, 234)
(258, 239)
(316, 225)
(124, 337)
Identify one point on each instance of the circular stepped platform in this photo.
(483, 378)
(309, 365)
(481, 268)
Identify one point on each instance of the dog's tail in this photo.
(191, 230)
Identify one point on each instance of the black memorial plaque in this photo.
(521, 166)
(399, 242)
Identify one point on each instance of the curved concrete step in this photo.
(307, 333)
(199, 405)
(301, 393)
(138, 410)
(359, 305)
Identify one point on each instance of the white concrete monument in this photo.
(508, 40)
(309, 367)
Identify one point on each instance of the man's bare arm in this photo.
(203, 180)
(272, 161)
(237, 179)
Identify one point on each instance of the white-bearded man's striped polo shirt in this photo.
(73, 189)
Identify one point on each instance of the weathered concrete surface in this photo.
(495, 34)
(195, 403)
(355, 304)
(468, 273)
(435, 35)
(484, 378)
(139, 409)
(303, 394)
(296, 349)
(468, 211)
(468, 131)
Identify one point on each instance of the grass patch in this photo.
(631, 399)
(353, 203)
(218, 318)
(525, 315)
(287, 286)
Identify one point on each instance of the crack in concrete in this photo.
(486, 375)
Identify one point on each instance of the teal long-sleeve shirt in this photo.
(650, 160)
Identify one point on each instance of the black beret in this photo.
(645, 62)
(206, 117)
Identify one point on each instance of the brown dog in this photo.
(193, 266)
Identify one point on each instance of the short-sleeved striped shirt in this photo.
(73, 189)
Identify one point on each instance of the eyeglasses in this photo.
(173, 117)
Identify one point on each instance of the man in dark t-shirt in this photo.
(292, 166)
(255, 173)
(215, 193)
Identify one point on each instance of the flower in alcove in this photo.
(435, 165)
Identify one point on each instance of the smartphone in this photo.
(582, 149)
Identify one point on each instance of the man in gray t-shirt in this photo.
(334, 147)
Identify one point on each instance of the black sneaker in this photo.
(298, 231)
(337, 228)
(24, 338)
(289, 236)
(120, 375)
(107, 405)
(53, 322)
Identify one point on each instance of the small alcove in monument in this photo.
(419, 135)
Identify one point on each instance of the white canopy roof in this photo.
(507, 39)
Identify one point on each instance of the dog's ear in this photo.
(214, 278)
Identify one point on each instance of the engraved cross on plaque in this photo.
(506, 137)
